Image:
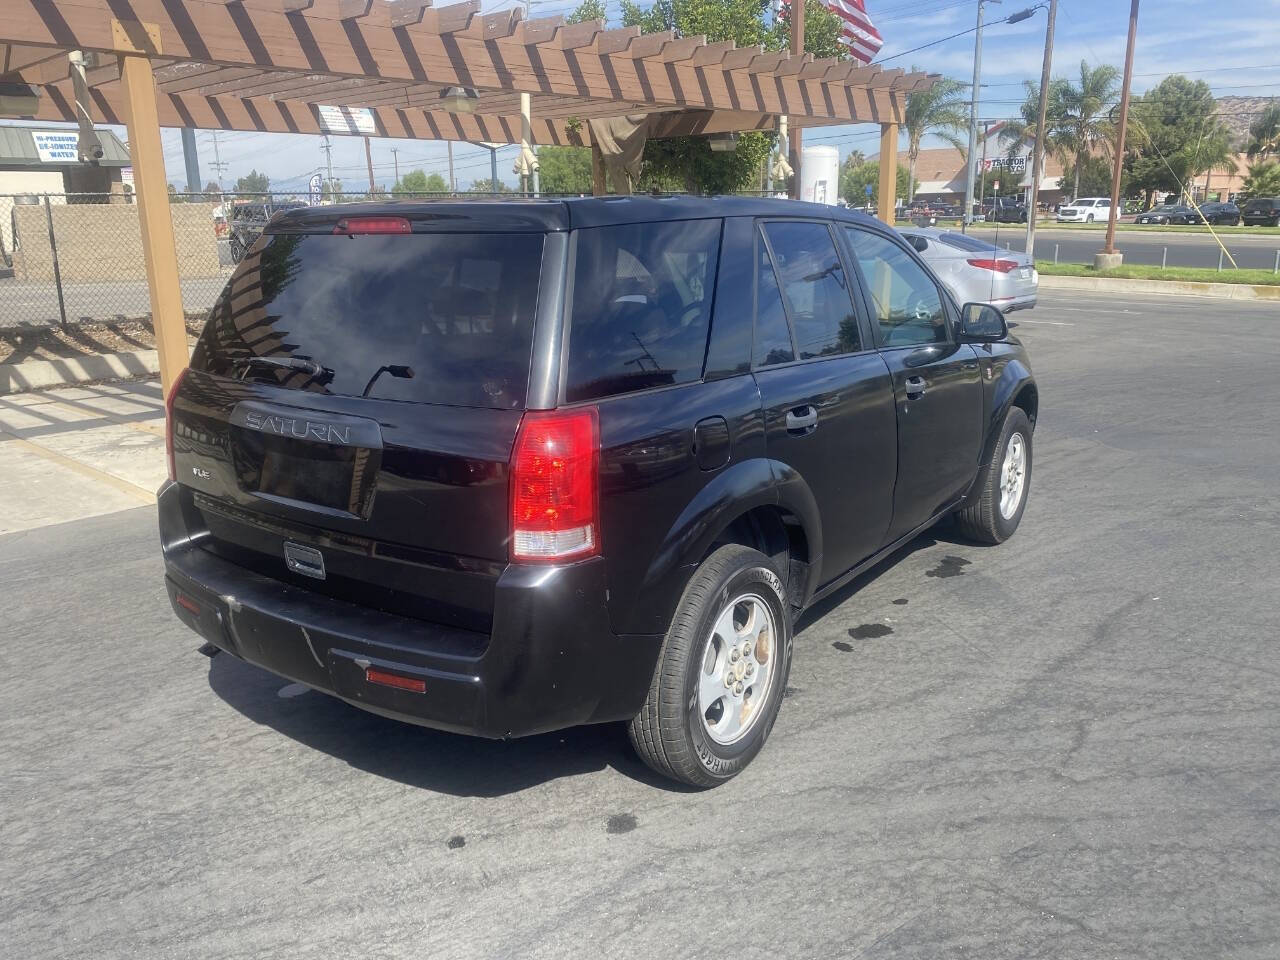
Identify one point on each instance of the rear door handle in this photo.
(802, 420)
(915, 387)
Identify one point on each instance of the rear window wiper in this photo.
(288, 363)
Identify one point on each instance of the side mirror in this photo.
(982, 323)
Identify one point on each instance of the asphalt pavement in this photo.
(1066, 746)
(1251, 251)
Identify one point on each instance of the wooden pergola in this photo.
(394, 69)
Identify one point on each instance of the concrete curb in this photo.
(40, 374)
(1169, 288)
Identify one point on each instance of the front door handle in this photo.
(915, 387)
(802, 420)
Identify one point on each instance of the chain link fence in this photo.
(76, 258)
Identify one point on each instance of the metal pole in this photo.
(1055, 253)
(1110, 246)
(797, 135)
(1037, 153)
(1219, 259)
(1277, 266)
(982, 177)
(453, 186)
(191, 160)
(1164, 258)
(368, 160)
(493, 170)
(395, 160)
(973, 118)
(57, 271)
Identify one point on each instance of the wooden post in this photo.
(888, 173)
(598, 187)
(158, 249)
(796, 138)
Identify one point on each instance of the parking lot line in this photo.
(124, 486)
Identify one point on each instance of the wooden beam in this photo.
(158, 248)
(888, 199)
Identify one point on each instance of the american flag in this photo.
(857, 31)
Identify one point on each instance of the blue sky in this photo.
(1235, 48)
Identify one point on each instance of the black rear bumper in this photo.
(550, 660)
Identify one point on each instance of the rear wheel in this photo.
(997, 505)
(1089, 218)
(718, 684)
(237, 250)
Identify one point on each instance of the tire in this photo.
(672, 733)
(1089, 218)
(237, 250)
(983, 519)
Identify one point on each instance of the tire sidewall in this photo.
(723, 761)
(1015, 422)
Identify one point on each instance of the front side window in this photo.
(814, 289)
(642, 295)
(906, 301)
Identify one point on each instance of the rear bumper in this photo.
(550, 660)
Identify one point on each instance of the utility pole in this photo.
(453, 185)
(1108, 258)
(218, 165)
(192, 160)
(797, 50)
(368, 161)
(493, 165)
(1037, 154)
(973, 117)
(395, 158)
(982, 177)
(327, 147)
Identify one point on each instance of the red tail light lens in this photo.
(1000, 266)
(555, 468)
(354, 225)
(168, 422)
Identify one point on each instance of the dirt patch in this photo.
(21, 343)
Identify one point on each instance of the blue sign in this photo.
(868, 189)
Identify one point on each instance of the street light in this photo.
(459, 99)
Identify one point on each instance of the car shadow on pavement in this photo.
(417, 756)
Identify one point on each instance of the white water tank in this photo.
(820, 175)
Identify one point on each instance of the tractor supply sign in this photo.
(57, 147)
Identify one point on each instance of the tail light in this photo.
(555, 503)
(1000, 266)
(350, 226)
(168, 422)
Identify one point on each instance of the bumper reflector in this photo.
(186, 603)
(385, 679)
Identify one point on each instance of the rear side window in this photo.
(642, 296)
(773, 336)
(966, 243)
(814, 288)
(428, 318)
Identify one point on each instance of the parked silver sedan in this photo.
(975, 270)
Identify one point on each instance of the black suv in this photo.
(506, 467)
(1261, 212)
(1007, 210)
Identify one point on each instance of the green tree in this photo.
(415, 181)
(1094, 177)
(564, 169)
(1264, 134)
(1082, 120)
(590, 10)
(1263, 180)
(486, 186)
(253, 182)
(855, 179)
(821, 32)
(331, 191)
(940, 111)
(1024, 131)
(212, 191)
(1175, 135)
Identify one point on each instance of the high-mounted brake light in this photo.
(1001, 266)
(555, 502)
(168, 422)
(350, 226)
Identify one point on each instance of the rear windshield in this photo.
(443, 318)
(962, 242)
(1259, 204)
(642, 297)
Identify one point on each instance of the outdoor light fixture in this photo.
(21, 99)
(1021, 15)
(723, 142)
(458, 99)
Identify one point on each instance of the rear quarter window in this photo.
(642, 298)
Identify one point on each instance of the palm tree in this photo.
(1084, 123)
(940, 111)
(1024, 131)
(1264, 134)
